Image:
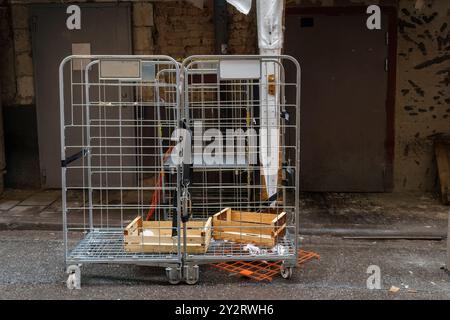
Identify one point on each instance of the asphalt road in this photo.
(32, 267)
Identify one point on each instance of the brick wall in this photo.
(242, 33)
(16, 58)
(182, 29)
(7, 63)
(143, 27)
(22, 55)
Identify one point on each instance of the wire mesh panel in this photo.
(243, 115)
(119, 191)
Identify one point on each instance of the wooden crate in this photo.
(249, 227)
(156, 236)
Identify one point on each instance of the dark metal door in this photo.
(106, 29)
(343, 103)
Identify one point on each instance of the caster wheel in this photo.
(71, 282)
(191, 274)
(173, 275)
(74, 278)
(191, 281)
(286, 272)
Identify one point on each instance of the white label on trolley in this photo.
(240, 69)
(120, 69)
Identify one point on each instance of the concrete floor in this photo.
(32, 267)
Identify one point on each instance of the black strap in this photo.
(74, 157)
(187, 170)
(272, 198)
(284, 115)
(187, 167)
(175, 215)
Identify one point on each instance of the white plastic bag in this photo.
(252, 249)
(148, 233)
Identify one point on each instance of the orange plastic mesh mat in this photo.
(262, 270)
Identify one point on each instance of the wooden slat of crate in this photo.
(228, 214)
(244, 227)
(256, 238)
(194, 227)
(255, 217)
(207, 233)
(249, 227)
(163, 239)
(260, 239)
(164, 248)
(133, 226)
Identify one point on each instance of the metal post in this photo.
(88, 146)
(220, 26)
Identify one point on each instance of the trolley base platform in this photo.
(107, 246)
(220, 251)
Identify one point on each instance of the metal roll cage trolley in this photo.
(124, 198)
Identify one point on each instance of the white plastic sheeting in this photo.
(270, 22)
(269, 137)
(242, 6)
(270, 42)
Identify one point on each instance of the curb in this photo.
(377, 232)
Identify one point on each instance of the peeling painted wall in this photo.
(422, 99)
(422, 106)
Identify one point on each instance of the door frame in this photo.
(33, 6)
(391, 13)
